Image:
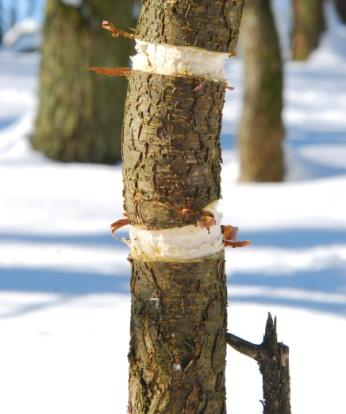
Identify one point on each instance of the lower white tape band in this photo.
(179, 243)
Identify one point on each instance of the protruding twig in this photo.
(230, 235)
(229, 87)
(244, 347)
(115, 31)
(119, 224)
(273, 360)
(112, 71)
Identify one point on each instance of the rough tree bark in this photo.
(308, 25)
(341, 9)
(261, 130)
(273, 360)
(72, 98)
(171, 168)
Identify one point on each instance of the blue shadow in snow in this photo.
(338, 309)
(60, 282)
(328, 281)
(99, 239)
(68, 284)
(6, 122)
(298, 138)
(295, 238)
(228, 141)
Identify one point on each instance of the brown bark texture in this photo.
(171, 170)
(261, 129)
(171, 148)
(178, 347)
(308, 25)
(211, 25)
(273, 360)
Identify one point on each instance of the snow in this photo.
(73, 3)
(64, 281)
(24, 36)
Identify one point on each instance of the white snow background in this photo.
(64, 282)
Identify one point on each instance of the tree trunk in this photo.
(308, 26)
(261, 129)
(71, 97)
(341, 9)
(171, 169)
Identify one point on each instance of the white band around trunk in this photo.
(179, 243)
(179, 60)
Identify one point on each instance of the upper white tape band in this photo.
(179, 243)
(179, 60)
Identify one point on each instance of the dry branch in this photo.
(273, 360)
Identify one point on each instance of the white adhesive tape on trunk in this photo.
(178, 243)
(179, 60)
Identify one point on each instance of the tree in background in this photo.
(261, 129)
(308, 25)
(80, 115)
(341, 9)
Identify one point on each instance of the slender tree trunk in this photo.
(261, 129)
(71, 97)
(341, 9)
(308, 26)
(171, 169)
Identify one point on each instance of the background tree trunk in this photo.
(171, 169)
(261, 130)
(341, 9)
(80, 114)
(308, 25)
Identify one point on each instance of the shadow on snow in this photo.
(68, 284)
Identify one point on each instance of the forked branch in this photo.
(273, 360)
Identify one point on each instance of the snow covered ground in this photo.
(64, 282)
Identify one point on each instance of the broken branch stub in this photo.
(115, 31)
(273, 360)
(126, 72)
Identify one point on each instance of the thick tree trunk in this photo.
(71, 97)
(171, 168)
(308, 25)
(261, 129)
(341, 9)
